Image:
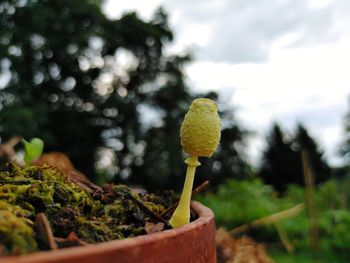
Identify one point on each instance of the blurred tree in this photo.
(303, 141)
(162, 166)
(229, 161)
(75, 74)
(345, 148)
(81, 81)
(281, 162)
(344, 151)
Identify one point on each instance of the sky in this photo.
(284, 61)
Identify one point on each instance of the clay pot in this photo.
(192, 243)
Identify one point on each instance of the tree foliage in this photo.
(282, 163)
(303, 141)
(345, 148)
(83, 82)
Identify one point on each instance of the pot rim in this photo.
(205, 216)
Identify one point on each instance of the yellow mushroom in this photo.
(200, 136)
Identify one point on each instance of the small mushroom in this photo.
(200, 135)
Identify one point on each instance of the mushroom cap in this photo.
(201, 129)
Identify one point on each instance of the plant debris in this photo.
(70, 241)
(153, 228)
(44, 232)
(241, 250)
(43, 208)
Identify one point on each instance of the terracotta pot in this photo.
(192, 243)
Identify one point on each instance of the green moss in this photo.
(16, 231)
(69, 208)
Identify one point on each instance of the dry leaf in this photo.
(241, 250)
(70, 241)
(153, 228)
(44, 232)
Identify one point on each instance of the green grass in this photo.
(305, 257)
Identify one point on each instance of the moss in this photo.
(69, 207)
(16, 231)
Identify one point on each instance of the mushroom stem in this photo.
(181, 215)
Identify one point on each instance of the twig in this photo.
(276, 217)
(14, 182)
(62, 163)
(147, 210)
(308, 178)
(7, 148)
(284, 238)
(195, 191)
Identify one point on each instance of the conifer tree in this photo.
(304, 142)
(282, 163)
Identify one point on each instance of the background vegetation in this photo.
(86, 85)
(94, 88)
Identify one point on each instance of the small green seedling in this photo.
(200, 135)
(32, 150)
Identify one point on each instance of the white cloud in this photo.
(115, 8)
(244, 30)
(305, 84)
(320, 3)
(284, 60)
